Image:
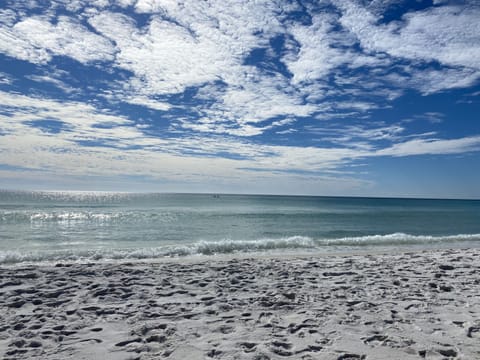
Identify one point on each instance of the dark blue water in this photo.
(37, 226)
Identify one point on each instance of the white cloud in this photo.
(217, 37)
(317, 56)
(148, 102)
(360, 106)
(192, 44)
(365, 137)
(126, 3)
(5, 79)
(85, 123)
(430, 116)
(151, 6)
(35, 39)
(432, 147)
(119, 148)
(447, 34)
(7, 17)
(52, 80)
(13, 45)
(433, 81)
(243, 110)
(82, 122)
(157, 55)
(205, 44)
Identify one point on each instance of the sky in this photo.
(344, 97)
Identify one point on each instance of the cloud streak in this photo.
(119, 147)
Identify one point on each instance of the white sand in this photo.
(407, 306)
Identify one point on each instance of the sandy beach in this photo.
(395, 306)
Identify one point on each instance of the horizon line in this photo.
(399, 197)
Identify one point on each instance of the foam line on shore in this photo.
(293, 243)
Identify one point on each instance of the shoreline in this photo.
(411, 305)
(332, 250)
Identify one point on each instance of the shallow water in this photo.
(38, 226)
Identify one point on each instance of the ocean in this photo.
(93, 226)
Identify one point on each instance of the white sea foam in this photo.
(398, 239)
(293, 243)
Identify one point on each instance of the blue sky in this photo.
(346, 97)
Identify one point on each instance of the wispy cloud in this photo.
(319, 57)
(5, 79)
(52, 80)
(226, 89)
(432, 147)
(118, 147)
(447, 34)
(432, 117)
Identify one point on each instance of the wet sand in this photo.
(406, 306)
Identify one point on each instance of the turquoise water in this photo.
(38, 226)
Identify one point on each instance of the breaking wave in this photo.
(299, 243)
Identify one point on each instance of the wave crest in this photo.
(233, 246)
